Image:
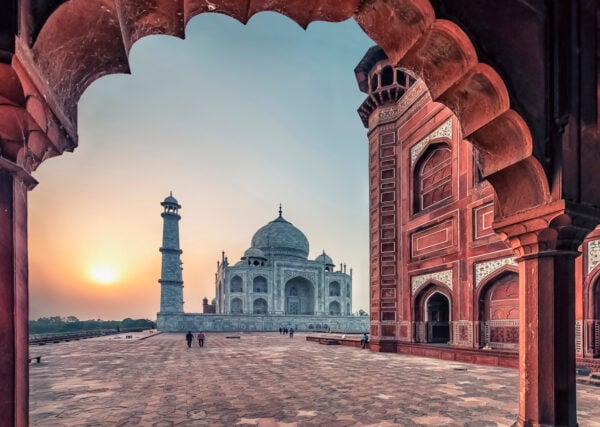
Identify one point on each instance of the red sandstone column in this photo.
(14, 370)
(546, 247)
(547, 339)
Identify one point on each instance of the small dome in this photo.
(254, 253)
(324, 258)
(170, 201)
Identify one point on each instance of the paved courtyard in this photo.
(266, 379)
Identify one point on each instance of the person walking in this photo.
(200, 339)
(189, 337)
(291, 332)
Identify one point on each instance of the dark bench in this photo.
(38, 359)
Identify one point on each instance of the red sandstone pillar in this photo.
(546, 243)
(547, 339)
(14, 370)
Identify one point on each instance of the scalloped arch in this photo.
(407, 30)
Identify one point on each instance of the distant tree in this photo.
(57, 324)
(361, 312)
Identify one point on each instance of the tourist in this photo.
(189, 337)
(364, 341)
(281, 331)
(200, 339)
(291, 332)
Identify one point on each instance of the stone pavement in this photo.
(266, 379)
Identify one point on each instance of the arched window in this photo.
(236, 306)
(334, 289)
(260, 306)
(259, 284)
(387, 76)
(334, 308)
(237, 284)
(374, 82)
(433, 177)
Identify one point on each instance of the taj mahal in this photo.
(273, 285)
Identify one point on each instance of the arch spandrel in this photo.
(438, 50)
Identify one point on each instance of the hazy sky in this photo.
(234, 120)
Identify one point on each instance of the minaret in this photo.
(171, 282)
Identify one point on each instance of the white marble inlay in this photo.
(445, 130)
(444, 276)
(484, 269)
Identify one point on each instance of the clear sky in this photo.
(234, 120)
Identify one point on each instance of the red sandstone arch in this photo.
(82, 41)
(425, 291)
(591, 286)
(488, 282)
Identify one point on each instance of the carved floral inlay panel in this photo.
(444, 276)
(444, 131)
(593, 254)
(484, 269)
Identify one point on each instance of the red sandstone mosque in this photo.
(439, 272)
(517, 157)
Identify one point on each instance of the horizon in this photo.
(233, 120)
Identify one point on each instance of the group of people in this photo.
(189, 337)
(285, 331)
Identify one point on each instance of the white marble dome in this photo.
(254, 253)
(280, 238)
(324, 258)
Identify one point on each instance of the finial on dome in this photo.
(171, 193)
(280, 210)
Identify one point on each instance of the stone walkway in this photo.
(266, 379)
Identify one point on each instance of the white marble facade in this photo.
(275, 277)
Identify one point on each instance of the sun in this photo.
(103, 274)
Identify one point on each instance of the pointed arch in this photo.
(436, 50)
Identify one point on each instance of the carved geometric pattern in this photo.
(484, 269)
(593, 251)
(579, 336)
(387, 114)
(445, 130)
(463, 332)
(311, 276)
(444, 276)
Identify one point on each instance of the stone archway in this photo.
(260, 306)
(437, 318)
(299, 294)
(50, 68)
(499, 311)
(432, 313)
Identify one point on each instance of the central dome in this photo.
(280, 238)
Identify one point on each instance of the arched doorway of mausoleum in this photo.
(499, 311)
(259, 284)
(237, 284)
(334, 308)
(432, 315)
(236, 306)
(260, 306)
(299, 296)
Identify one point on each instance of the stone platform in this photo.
(267, 379)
